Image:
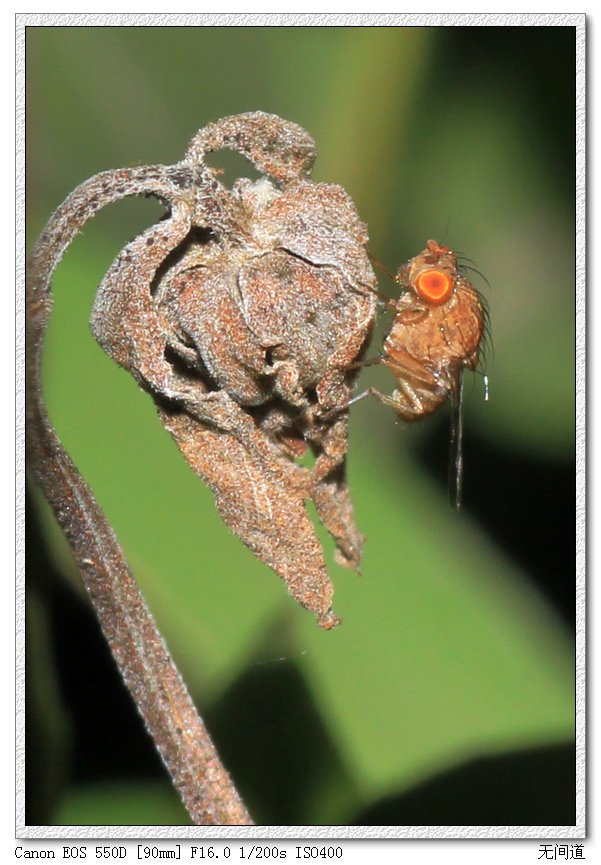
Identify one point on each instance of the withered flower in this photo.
(240, 313)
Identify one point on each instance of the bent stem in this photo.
(153, 680)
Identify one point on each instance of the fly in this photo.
(440, 321)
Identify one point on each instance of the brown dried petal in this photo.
(319, 222)
(276, 147)
(265, 510)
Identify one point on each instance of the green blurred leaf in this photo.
(119, 804)
(445, 651)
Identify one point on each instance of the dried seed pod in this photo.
(242, 313)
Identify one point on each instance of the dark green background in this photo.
(457, 640)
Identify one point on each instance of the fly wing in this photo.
(456, 444)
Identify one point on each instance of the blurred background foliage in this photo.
(447, 695)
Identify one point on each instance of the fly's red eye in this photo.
(435, 286)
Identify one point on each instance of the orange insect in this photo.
(439, 325)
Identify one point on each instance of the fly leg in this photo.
(420, 389)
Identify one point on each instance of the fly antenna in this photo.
(382, 267)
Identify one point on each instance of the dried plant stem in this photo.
(139, 650)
